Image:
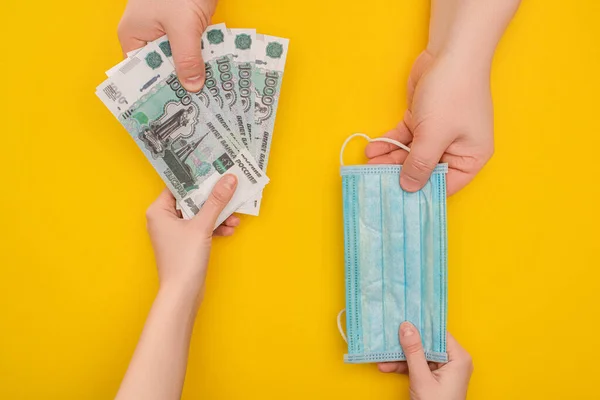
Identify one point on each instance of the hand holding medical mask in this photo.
(449, 115)
(432, 381)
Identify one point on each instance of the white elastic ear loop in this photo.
(339, 320)
(386, 140)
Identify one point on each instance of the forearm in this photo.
(469, 28)
(157, 369)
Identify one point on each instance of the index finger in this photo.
(400, 133)
(127, 37)
(455, 351)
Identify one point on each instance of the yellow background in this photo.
(77, 272)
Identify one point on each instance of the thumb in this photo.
(425, 152)
(185, 38)
(216, 202)
(410, 340)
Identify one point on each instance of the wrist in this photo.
(466, 57)
(469, 29)
(186, 295)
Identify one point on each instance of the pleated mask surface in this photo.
(395, 246)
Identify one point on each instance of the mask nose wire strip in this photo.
(382, 139)
(339, 321)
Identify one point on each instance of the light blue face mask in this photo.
(396, 262)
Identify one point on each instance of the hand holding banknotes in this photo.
(432, 381)
(182, 247)
(192, 139)
(183, 20)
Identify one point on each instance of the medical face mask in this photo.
(396, 261)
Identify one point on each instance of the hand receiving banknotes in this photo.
(193, 139)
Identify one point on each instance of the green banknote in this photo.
(179, 135)
(163, 47)
(212, 95)
(217, 51)
(212, 99)
(192, 139)
(134, 78)
(243, 65)
(271, 53)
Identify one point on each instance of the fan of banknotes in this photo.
(192, 139)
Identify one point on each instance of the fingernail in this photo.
(194, 83)
(406, 329)
(229, 181)
(194, 79)
(233, 221)
(408, 183)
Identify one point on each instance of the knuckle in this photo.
(412, 348)
(213, 202)
(122, 29)
(484, 156)
(398, 156)
(150, 218)
(468, 362)
(190, 63)
(149, 214)
(220, 195)
(422, 166)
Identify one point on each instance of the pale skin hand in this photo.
(450, 115)
(432, 381)
(183, 20)
(182, 250)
